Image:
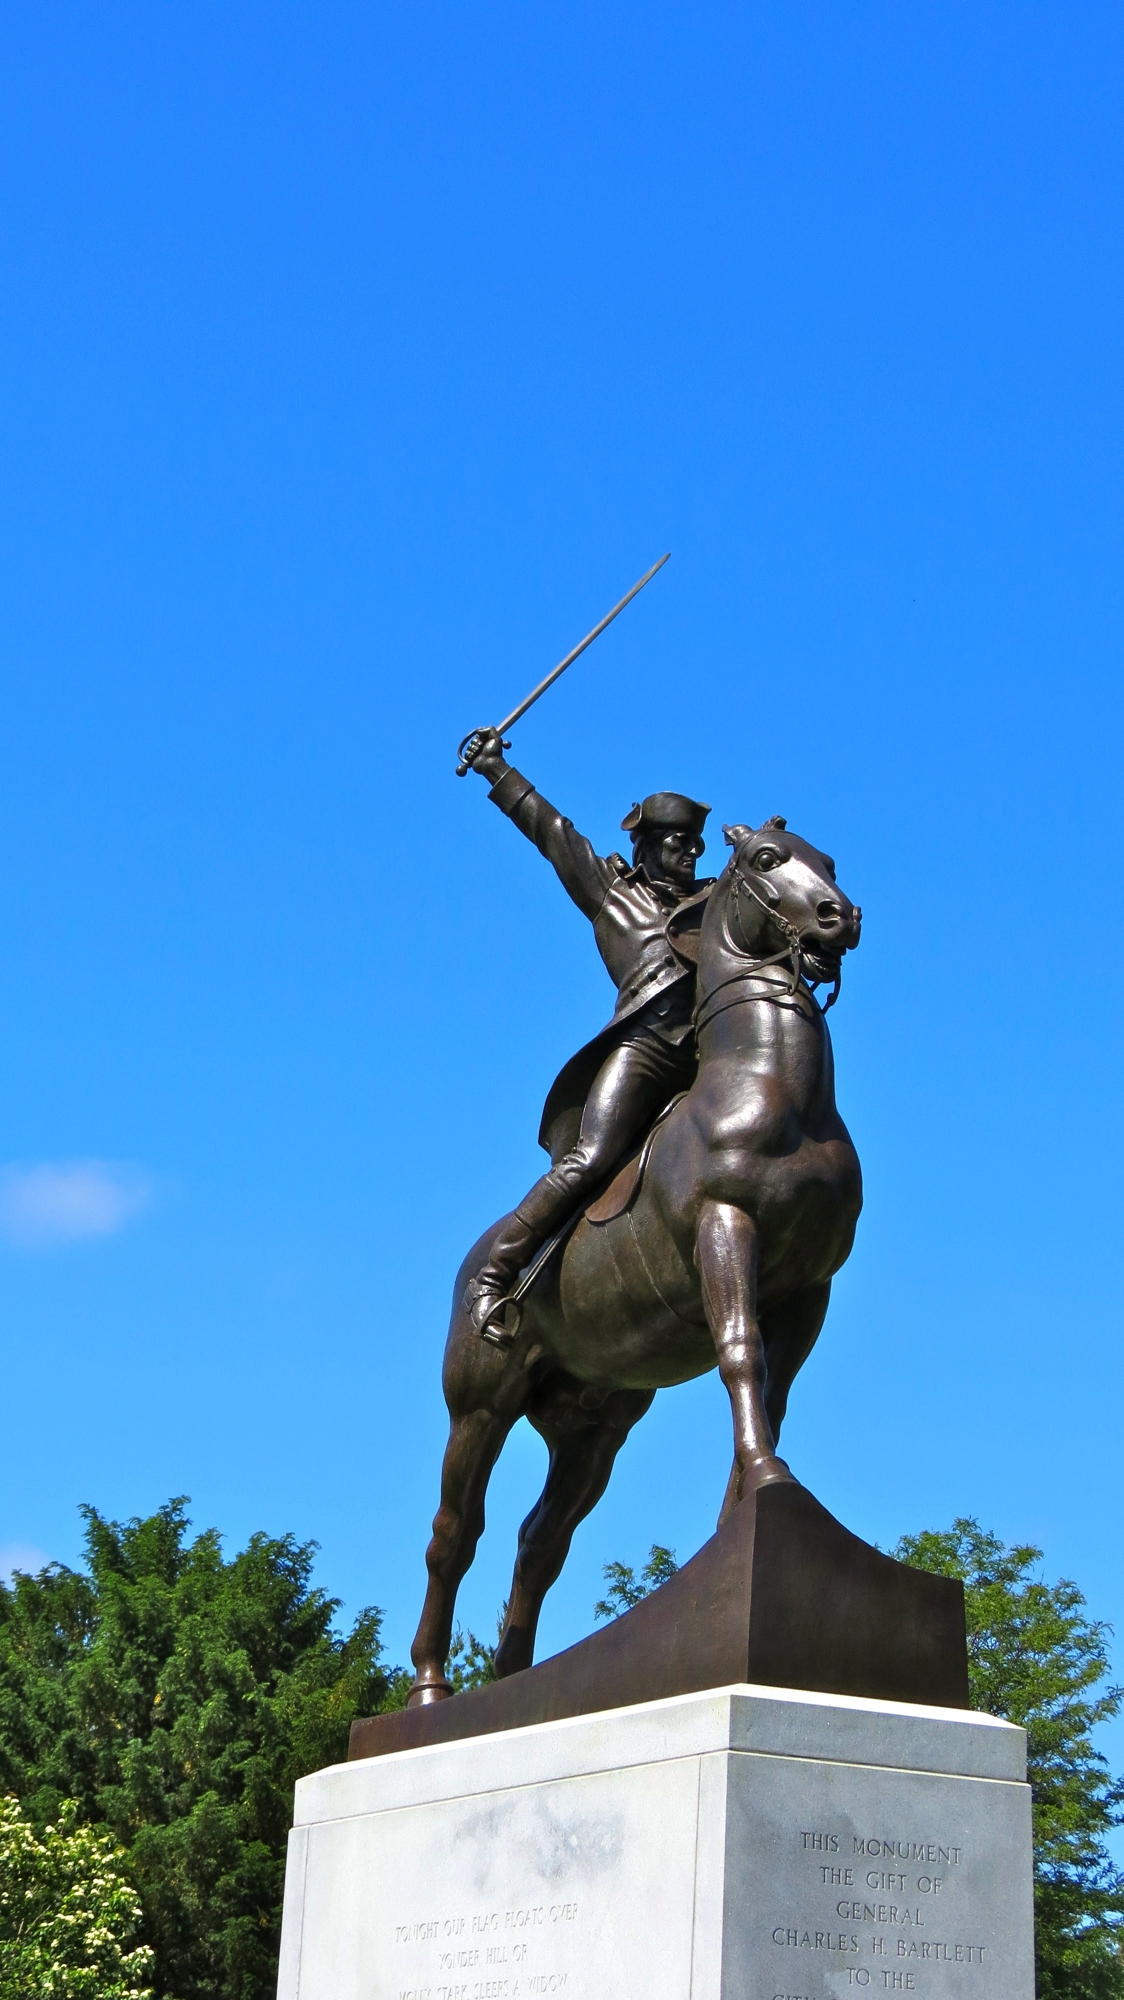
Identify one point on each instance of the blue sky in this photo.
(353, 361)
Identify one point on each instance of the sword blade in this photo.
(505, 725)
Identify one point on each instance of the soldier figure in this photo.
(608, 1095)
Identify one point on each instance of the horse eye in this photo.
(768, 858)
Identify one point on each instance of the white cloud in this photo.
(21, 1555)
(66, 1201)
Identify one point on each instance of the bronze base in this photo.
(783, 1596)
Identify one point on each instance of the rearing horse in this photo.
(722, 1256)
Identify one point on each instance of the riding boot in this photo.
(542, 1211)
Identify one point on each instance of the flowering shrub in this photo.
(67, 1914)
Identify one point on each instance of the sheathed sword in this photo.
(471, 743)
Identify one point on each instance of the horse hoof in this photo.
(426, 1691)
(767, 1471)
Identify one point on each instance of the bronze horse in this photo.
(723, 1256)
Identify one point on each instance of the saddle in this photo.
(616, 1200)
(626, 1184)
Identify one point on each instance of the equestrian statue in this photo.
(702, 1193)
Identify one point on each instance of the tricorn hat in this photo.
(665, 812)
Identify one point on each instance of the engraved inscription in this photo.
(909, 1850)
(489, 1989)
(500, 1960)
(949, 1954)
(895, 1896)
(809, 1940)
(878, 1913)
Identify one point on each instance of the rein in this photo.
(791, 951)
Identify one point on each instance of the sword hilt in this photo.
(467, 750)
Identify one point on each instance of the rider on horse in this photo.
(607, 1096)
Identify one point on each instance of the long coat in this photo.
(634, 922)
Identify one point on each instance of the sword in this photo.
(469, 747)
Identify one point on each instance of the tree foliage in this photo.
(472, 1662)
(68, 1915)
(1035, 1658)
(176, 1696)
(626, 1588)
(157, 1707)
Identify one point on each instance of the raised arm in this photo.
(583, 874)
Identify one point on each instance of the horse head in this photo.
(777, 899)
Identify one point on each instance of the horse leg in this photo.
(726, 1253)
(476, 1438)
(790, 1331)
(583, 1445)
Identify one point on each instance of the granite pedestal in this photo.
(745, 1843)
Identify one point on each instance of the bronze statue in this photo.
(714, 1245)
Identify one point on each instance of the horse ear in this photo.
(778, 820)
(734, 835)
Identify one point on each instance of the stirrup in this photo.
(499, 1326)
(501, 1336)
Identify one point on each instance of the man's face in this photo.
(671, 857)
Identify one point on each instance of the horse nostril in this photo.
(829, 913)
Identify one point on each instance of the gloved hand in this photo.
(483, 752)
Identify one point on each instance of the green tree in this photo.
(626, 1588)
(472, 1662)
(176, 1697)
(1035, 1658)
(68, 1915)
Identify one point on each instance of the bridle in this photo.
(792, 952)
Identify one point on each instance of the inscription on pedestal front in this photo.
(484, 1954)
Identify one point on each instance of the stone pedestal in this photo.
(747, 1843)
